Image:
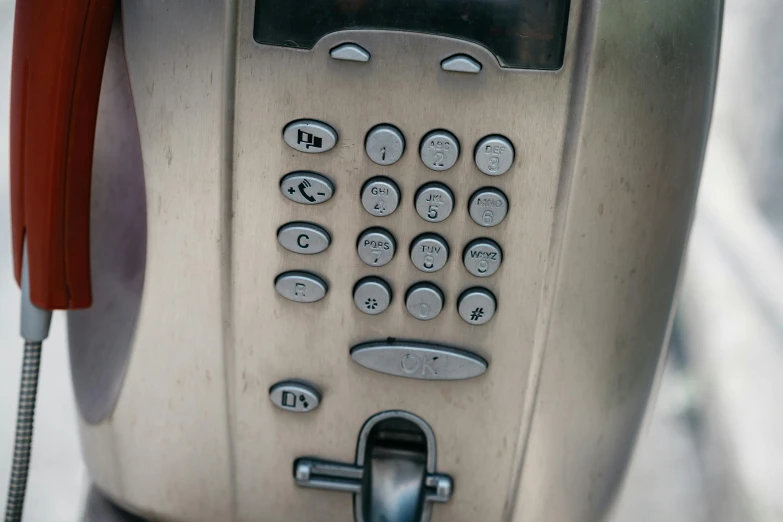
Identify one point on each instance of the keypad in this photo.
(380, 196)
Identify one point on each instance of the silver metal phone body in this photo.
(173, 376)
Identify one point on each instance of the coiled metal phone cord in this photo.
(24, 431)
(34, 329)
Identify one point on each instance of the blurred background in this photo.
(712, 448)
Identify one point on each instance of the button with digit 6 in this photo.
(488, 207)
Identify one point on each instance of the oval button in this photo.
(306, 187)
(303, 238)
(301, 287)
(415, 360)
(294, 396)
(310, 136)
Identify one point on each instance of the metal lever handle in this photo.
(348, 478)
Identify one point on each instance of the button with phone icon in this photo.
(306, 187)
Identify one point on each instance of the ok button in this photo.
(303, 238)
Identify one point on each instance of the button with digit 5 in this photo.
(434, 202)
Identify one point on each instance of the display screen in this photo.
(526, 34)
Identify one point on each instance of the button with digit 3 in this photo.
(424, 301)
(494, 155)
(376, 246)
(482, 257)
(434, 202)
(439, 150)
(380, 196)
(488, 207)
(429, 252)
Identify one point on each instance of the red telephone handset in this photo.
(58, 57)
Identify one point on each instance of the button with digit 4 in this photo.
(380, 196)
(376, 246)
(476, 305)
(439, 150)
(488, 207)
(434, 202)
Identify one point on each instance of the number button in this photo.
(434, 202)
(488, 207)
(494, 155)
(429, 252)
(439, 150)
(376, 246)
(380, 196)
(424, 301)
(384, 144)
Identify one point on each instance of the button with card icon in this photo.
(306, 187)
(309, 136)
